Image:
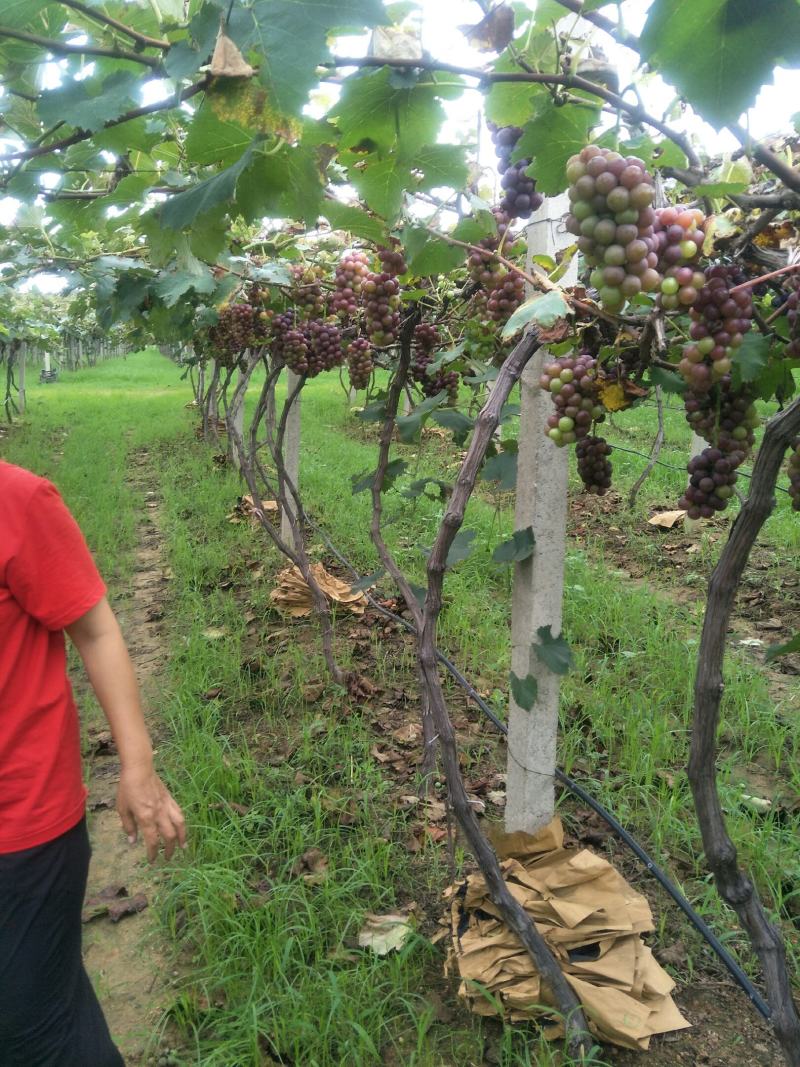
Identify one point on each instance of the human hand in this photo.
(146, 806)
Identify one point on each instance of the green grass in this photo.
(268, 959)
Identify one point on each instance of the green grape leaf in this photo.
(512, 103)
(409, 426)
(90, 103)
(372, 111)
(518, 548)
(354, 220)
(550, 138)
(554, 652)
(459, 424)
(367, 581)
(460, 548)
(718, 189)
(543, 308)
(420, 486)
(429, 255)
(774, 651)
(209, 139)
(393, 471)
(750, 358)
(441, 165)
(381, 182)
(184, 208)
(743, 42)
(524, 691)
(172, 285)
(502, 469)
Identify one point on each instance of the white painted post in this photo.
(47, 362)
(237, 418)
(541, 503)
(291, 452)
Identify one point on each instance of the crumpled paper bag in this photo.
(592, 921)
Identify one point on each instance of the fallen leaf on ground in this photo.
(384, 933)
(667, 519)
(312, 867)
(293, 597)
(114, 902)
(214, 633)
(118, 909)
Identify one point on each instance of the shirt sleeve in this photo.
(52, 575)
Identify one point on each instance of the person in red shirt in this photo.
(49, 585)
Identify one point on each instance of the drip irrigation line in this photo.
(682, 470)
(578, 790)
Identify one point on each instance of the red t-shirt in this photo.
(48, 580)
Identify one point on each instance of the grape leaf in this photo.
(501, 468)
(364, 481)
(743, 42)
(90, 103)
(441, 164)
(409, 426)
(782, 650)
(371, 110)
(354, 220)
(519, 547)
(367, 581)
(172, 285)
(511, 103)
(184, 208)
(291, 39)
(524, 691)
(554, 652)
(719, 189)
(456, 421)
(420, 486)
(381, 182)
(209, 139)
(435, 256)
(544, 308)
(750, 358)
(550, 138)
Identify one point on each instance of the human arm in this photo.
(143, 801)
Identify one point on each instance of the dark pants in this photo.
(49, 1014)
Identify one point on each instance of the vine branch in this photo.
(65, 49)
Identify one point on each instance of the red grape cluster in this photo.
(483, 267)
(594, 466)
(613, 219)
(792, 303)
(325, 347)
(520, 198)
(382, 298)
(392, 261)
(794, 474)
(359, 362)
(307, 294)
(351, 270)
(507, 293)
(679, 240)
(281, 325)
(719, 322)
(232, 334)
(426, 338)
(712, 476)
(295, 350)
(572, 384)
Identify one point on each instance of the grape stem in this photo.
(764, 278)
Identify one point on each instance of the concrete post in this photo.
(23, 355)
(291, 451)
(541, 503)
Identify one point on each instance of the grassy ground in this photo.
(270, 762)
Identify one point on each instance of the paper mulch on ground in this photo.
(293, 597)
(592, 921)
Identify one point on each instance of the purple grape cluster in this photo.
(720, 320)
(359, 363)
(392, 261)
(232, 333)
(520, 198)
(506, 295)
(792, 305)
(572, 384)
(382, 304)
(679, 240)
(594, 466)
(351, 270)
(325, 349)
(712, 476)
(426, 338)
(613, 218)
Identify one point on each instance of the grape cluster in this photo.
(480, 340)
(392, 261)
(594, 466)
(520, 198)
(483, 267)
(168, 1057)
(426, 338)
(505, 296)
(307, 294)
(295, 349)
(572, 384)
(281, 325)
(613, 218)
(324, 347)
(382, 301)
(359, 363)
(719, 322)
(232, 334)
(792, 304)
(678, 239)
(794, 474)
(712, 476)
(351, 270)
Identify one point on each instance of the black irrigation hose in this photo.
(682, 470)
(696, 920)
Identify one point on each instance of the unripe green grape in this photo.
(611, 297)
(670, 286)
(565, 424)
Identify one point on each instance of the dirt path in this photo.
(128, 960)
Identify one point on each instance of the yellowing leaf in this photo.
(612, 397)
(385, 933)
